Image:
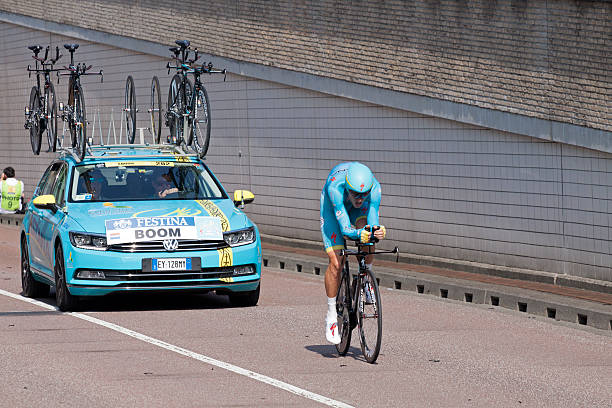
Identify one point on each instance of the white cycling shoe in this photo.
(331, 332)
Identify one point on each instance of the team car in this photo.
(137, 218)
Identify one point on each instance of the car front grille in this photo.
(158, 246)
(205, 275)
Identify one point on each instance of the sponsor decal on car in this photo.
(160, 228)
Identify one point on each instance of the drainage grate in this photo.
(398, 285)
(582, 319)
(265, 262)
(552, 313)
(444, 293)
(494, 300)
(317, 270)
(522, 307)
(468, 297)
(298, 267)
(421, 289)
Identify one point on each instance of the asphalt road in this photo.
(197, 351)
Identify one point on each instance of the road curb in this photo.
(553, 306)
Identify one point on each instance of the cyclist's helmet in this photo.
(359, 178)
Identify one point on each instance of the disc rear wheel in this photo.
(201, 125)
(156, 113)
(80, 124)
(369, 316)
(343, 302)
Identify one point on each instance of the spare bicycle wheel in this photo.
(156, 113)
(51, 117)
(80, 125)
(130, 110)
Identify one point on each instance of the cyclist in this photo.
(349, 203)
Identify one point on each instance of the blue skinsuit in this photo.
(338, 216)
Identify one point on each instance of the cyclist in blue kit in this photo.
(349, 205)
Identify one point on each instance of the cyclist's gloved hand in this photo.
(364, 235)
(381, 233)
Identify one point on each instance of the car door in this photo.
(38, 246)
(50, 219)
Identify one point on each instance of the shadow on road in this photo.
(126, 302)
(329, 351)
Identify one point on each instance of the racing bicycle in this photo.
(74, 113)
(188, 113)
(358, 302)
(41, 112)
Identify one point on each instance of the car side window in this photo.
(43, 180)
(60, 186)
(47, 188)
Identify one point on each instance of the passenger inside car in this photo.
(163, 187)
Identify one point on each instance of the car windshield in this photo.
(128, 181)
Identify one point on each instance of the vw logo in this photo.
(171, 245)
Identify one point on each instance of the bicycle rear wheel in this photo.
(156, 113)
(51, 117)
(369, 316)
(173, 109)
(343, 302)
(201, 123)
(130, 109)
(34, 120)
(80, 124)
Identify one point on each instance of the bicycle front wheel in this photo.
(130, 109)
(51, 117)
(201, 123)
(369, 316)
(80, 124)
(156, 113)
(34, 120)
(343, 305)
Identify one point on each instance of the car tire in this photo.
(65, 301)
(245, 299)
(30, 287)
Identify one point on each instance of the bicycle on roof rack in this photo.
(358, 302)
(41, 112)
(188, 111)
(74, 113)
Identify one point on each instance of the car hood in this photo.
(93, 215)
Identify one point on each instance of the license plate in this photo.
(171, 264)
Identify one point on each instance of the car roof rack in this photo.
(120, 151)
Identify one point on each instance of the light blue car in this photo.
(137, 218)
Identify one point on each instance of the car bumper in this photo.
(124, 272)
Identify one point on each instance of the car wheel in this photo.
(64, 300)
(245, 299)
(31, 287)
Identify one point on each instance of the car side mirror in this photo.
(242, 197)
(45, 202)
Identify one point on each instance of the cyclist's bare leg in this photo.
(332, 274)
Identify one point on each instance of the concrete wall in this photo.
(542, 59)
(449, 189)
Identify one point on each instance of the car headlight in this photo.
(88, 241)
(240, 237)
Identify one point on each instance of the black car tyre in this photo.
(245, 299)
(31, 287)
(65, 301)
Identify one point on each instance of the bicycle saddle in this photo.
(71, 47)
(182, 43)
(35, 48)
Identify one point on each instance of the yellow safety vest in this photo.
(11, 194)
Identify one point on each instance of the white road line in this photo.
(179, 350)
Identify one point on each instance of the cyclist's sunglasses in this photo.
(359, 196)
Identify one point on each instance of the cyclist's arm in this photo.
(337, 199)
(375, 196)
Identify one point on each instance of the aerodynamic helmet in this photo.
(359, 178)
